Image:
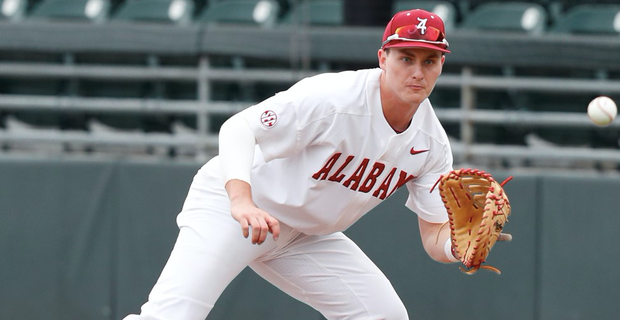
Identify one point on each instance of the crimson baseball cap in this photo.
(415, 29)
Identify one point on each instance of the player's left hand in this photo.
(478, 209)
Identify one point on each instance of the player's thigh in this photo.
(209, 253)
(197, 269)
(333, 275)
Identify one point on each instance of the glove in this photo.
(478, 210)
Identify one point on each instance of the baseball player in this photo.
(297, 169)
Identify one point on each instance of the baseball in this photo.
(602, 111)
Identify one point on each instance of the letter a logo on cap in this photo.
(422, 25)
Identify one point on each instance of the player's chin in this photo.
(416, 97)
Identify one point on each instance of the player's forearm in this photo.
(436, 247)
(435, 239)
(239, 192)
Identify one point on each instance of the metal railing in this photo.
(204, 141)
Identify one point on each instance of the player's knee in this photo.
(398, 312)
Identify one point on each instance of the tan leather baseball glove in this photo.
(478, 210)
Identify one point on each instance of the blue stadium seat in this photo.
(85, 10)
(248, 12)
(316, 12)
(522, 17)
(444, 9)
(590, 19)
(13, 9)
(160, 11)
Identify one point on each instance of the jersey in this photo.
(326, 155)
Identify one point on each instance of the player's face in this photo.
(410, 74)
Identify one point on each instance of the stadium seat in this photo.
(261, 12)
(523, 17)
(316, 12)
(17, 127)
(85, 10)
(161, 11)
(593, 19)
(13, 9)
(444, 9)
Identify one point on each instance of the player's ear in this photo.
(443, 59)
(382, 55)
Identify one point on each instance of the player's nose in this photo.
(416, 72)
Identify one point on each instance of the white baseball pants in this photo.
(329, 273)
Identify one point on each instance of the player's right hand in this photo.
(261, 223)
(248, 214)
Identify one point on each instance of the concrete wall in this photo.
(87, 239)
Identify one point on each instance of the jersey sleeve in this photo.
(236, 146)
(428, 205)
(290, 120)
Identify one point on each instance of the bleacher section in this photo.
(156, 78)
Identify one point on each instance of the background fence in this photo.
(86, 240)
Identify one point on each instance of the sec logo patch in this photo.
(268, 118)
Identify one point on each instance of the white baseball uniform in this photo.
(325, 156)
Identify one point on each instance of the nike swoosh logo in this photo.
(413, 151)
